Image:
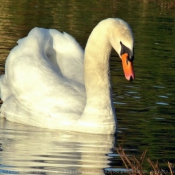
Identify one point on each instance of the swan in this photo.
(50, 82)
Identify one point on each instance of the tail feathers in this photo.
(1, 82)
(5, 92)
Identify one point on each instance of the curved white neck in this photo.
(96, 74)
(96, 67)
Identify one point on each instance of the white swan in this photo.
(47, 82)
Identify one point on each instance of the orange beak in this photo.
(127, 67)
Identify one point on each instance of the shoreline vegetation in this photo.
(134, 165)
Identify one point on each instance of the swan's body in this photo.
(49, 82)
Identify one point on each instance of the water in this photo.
(30, 150)
(145, 107)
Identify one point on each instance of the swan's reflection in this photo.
(31, 150)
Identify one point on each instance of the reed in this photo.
(134, 165)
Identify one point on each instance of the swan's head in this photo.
(122, 41)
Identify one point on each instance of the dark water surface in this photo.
(145, 107)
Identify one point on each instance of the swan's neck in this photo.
(96, 69)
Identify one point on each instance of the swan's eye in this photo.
(124, 50)
(131, 58)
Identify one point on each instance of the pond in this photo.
(145, 107)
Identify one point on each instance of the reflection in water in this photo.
(29, 150)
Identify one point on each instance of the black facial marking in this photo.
(127, 61)
(125, 49)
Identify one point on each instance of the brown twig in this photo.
(132, 163)
(170, 167)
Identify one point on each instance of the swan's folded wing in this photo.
(69, 55)
(35, 79)
(61, 49)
